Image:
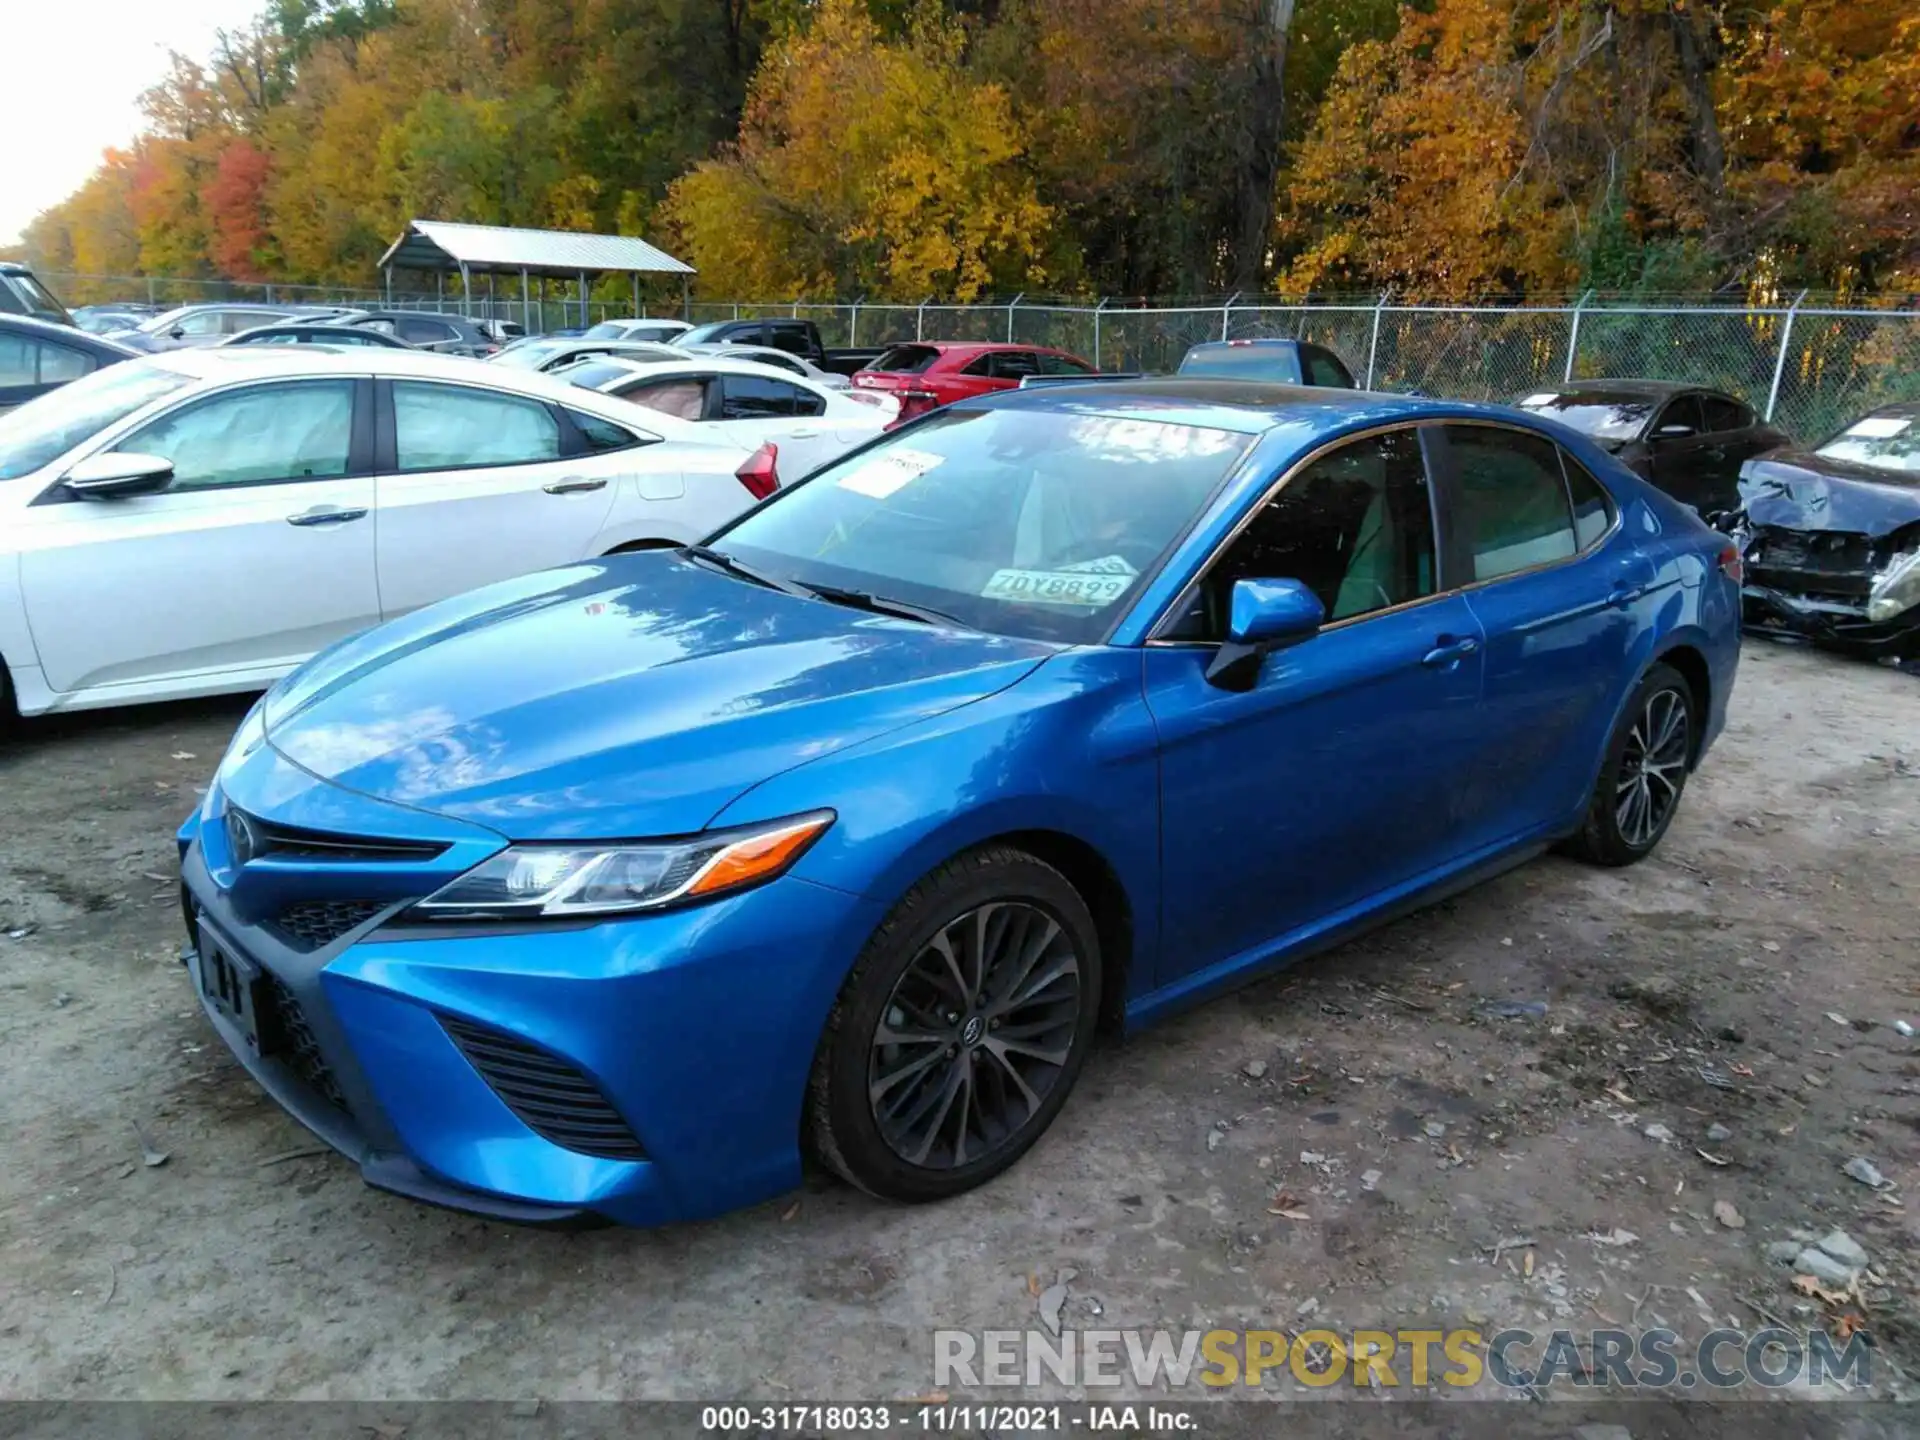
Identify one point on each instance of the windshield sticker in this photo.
(1545, 398)
(1088, 582)
(1879, 427)
(881, 476)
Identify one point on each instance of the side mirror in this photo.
(117, 474)
(178, 332)
(1263, 615)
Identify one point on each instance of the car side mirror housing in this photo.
(1262, 616)
(178, 332)
(118, 474)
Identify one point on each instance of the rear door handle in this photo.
(1448, 651)
(573, 487)
(326, 515)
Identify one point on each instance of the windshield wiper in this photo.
(745, 571)
(882, 605)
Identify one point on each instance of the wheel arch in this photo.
(1693, 668)
(1100, 886)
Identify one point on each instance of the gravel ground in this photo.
(1747, 977)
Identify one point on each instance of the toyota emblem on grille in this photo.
(240, 837)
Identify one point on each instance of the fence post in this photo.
(1573, 336)
(1780, 360)
(1097, 361)
(1010, 307)
(1373, 341)
(920, 321)
(853, 327)
(1226, 313)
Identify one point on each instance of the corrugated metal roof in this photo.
(444, 245)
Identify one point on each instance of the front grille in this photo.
(1828, 562)
(288, 842)
(550, 1097)
(311, 924)
(294, 1045)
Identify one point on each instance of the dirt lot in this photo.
(1747, 977)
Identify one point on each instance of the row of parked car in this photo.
(757, 400)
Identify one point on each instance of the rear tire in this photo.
(1643, 775)
(960, 1031)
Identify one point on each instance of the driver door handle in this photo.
(326, 515)
(1448, 651)
(807, 434)
(574, 487)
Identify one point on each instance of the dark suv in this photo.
(22, 294)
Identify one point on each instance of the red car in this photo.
(929, 374)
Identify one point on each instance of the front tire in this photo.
(960, 1031)
(1644, 773)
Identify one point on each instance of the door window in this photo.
(791, 338)
(1512, 498)
(1322, 368)
(264, 433)
(1592, 508)
(1725, 414)
(201, 322)
(755, 397)
(1063, 365)
(684, 397)
(981, 365)
(25, 361)
(1680, 419)
(1014, 365)
(424, 332)
(454, 427)
(232, 322)
(1356, 527)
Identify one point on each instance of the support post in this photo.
(439, 291)
(583, 299)
(466, 290)
(1226, 313)
(1780, 360)
(1011, 304)
(635, 277)
(1573, 336)
(1098, 363)
(526, 305)
(686, 298)
(1373, 341)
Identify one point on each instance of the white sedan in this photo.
(201, 522)
(744, 403)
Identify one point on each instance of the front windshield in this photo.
(1604, 417)
(701, 334)
(1033, 523)
(43, 430)
(1886, 442)
(605, 330)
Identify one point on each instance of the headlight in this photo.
(532, 881)
(1896, 588)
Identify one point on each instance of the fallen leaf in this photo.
(1526, 1265)
(1742, 1070)
(1621, 1095)
(1710, 1159)
(189, 755)
(791, 1211)
(1033, 1284)
(932, 1397)
(1807, 1285)
(1844, 1327)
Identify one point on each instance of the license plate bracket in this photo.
(233, 987)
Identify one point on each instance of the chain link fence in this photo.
(1809, 370)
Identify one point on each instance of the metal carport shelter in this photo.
(446, 247)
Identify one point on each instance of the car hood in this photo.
(634, 696)
(1798, 490)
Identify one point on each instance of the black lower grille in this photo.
(313, 923)
(550, 1097)
(293, 1044)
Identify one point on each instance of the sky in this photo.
(74, 75)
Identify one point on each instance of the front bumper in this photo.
(696, 1028)
(1838, 623)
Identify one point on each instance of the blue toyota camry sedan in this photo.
(610, 892)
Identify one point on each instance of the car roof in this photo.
(1905, 409)
(69, 335)
(1605, 390)
(714, 363)
(1249, 407)
(977, 347)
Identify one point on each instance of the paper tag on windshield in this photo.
(1879, 427)
(1087, 582)
(1543, 399)
(881, 476)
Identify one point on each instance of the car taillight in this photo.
(759, 474)
(1731, 565)
(914, 403)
